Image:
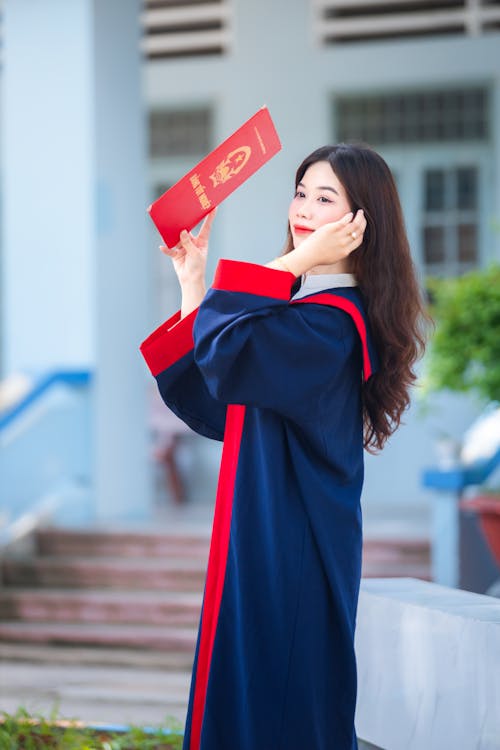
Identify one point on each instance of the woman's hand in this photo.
(335, 241)
(189, 257)
(327, 245)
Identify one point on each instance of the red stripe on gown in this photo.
(349, 307)
(217, 560)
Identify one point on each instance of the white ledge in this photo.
(428, 661)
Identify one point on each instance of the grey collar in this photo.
(317, 282)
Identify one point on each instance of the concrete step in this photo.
(154, 574)
(396, 558)
(98, 605)
(374, 570)
(397, 546)
(159, 637)
(95, 693)
(93, 656)
(95, 543)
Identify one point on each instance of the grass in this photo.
(26, 731)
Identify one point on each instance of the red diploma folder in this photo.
(215, 177)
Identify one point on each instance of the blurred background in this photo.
(104, 105)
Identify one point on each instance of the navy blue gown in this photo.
(280, 382)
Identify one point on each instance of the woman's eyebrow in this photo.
(326, 187)
(321, 187)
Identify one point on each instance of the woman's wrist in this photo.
(192, 282)
(192, 296)
(297, 261)
(279, 264)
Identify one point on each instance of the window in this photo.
(415, 117)
(177, 133)
(437, 143)
(450, 236)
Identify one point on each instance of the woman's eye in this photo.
(299, 194)
(323, 199)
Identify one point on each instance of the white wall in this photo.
(75, 281)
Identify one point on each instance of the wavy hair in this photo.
(388, 282)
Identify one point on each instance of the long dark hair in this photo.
(387, 280)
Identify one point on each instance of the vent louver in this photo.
(186, 28)
(340, 21)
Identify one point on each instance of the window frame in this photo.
(409, 166)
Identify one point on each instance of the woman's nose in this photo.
(304, 210)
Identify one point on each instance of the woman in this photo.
(297, 365)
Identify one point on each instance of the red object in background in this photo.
(215, 177)
(488, 509)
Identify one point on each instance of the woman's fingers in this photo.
(187, 242)
(356, 229)
(346, 219)
(172, 252)
(344, 235)
(204, 232)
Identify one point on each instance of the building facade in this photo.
(419, 81)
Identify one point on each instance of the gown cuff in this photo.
(168, 343)
(251, 278)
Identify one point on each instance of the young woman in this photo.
(297, 366)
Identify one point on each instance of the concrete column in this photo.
(75, 277)
(445, 539)
(269, 67)
(494, 175)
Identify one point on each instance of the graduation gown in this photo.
(278, 380)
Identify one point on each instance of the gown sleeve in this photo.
(255, 348)
(169, 354)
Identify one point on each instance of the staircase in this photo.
(105, 623)
(139, 591)
(127, 591)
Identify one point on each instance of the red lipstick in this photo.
(298, 228)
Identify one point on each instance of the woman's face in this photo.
(319, 199)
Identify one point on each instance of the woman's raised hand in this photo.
(189, 256)
(327, 245)
(332, 242)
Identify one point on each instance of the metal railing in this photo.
(45, 454)
(72, 378)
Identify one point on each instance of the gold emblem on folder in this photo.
(232, 164)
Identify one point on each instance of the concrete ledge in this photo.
(428, 666)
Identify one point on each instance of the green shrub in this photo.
(25, 731)
(465, 351)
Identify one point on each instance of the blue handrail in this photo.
(66, 377)
(458, 478)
